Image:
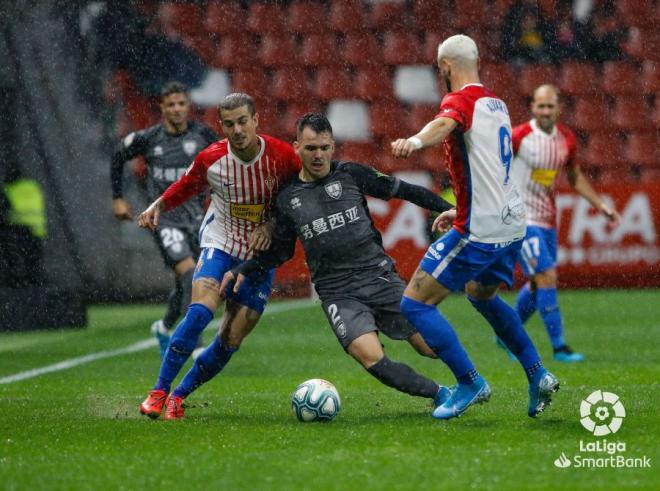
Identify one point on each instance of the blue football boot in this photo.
(567, 355)
(541, 388)
(159, 330)
(462, 397)
(444, 393)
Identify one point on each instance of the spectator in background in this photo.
(568, 44)
(602, 37)
(151, 49)
(526, 36)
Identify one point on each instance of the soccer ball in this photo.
(315, 400)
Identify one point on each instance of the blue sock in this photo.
(506, 324)
(441, 338)
(182, 344)
(526, 303)
(546, 298)
(212, 360)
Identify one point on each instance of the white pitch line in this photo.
(133, 348)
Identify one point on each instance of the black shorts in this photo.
(176, 243)
(373, 307)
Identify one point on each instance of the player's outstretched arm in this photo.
(150, 218)
(583, 187)
(432, 134)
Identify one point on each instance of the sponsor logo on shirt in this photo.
(331, 222)
(545, 177)
(251, 213)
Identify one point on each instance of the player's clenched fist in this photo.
(150, 217)
(228, 278)
(404, 147)
(444, 221)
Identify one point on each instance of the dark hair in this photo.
(173, 88)
(316, 121)
(236, 100)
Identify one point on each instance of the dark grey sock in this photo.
(403, 378)
(173, 310)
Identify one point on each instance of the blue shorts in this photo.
(539, 250)
(453, 260)
(214, 263)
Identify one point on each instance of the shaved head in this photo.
(546, 90)
(460, 48)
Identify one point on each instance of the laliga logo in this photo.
(602, 413)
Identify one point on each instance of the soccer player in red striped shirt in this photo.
(542, 148)
(244, 171)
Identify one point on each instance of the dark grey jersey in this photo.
(331, 218)
(168, 156)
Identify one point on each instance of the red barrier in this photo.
(590, 253)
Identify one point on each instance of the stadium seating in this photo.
(224, 17)
(311, 53)
(290, 84)
(306, 17)
(590, 114)
(362, 50)
(643, 149)
(250, 81)
(401, 48)
(531, 76)
(349, 120)
(603, 150)
(577, 79)
(278, 50)
(235, 52)
(332, 83)
(266, 18)
(620, 78)
(320, 50)
(650, 77)
(630, 113)
(388, 15)
(373, 84)
(417, 83)
(346, 16)
(388, 120)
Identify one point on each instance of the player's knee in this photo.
(546, 279)
(481, 293)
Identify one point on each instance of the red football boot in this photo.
(153, 404)
(173, 408)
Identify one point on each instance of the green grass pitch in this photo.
(80, 428)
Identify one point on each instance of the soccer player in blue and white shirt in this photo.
(488, 227)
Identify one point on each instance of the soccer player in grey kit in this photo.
(326, 208)
(168, 147)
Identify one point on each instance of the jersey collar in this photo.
(537, 130)
(262, 147)
(475, 84)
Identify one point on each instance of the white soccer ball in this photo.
(315, 400)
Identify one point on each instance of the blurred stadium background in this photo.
(76, 76)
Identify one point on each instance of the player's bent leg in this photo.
(367, 350)
(437, 332)
(200, 312)
(506, 324)
(238, 321)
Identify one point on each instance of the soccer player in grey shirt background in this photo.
(168, 148)
(326, 208)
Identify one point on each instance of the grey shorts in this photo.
(374, 308)
(176, 243)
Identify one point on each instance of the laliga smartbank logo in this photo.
(602, 413)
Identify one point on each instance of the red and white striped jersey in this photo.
(242, 193)
(488, 206)
(539, 156)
